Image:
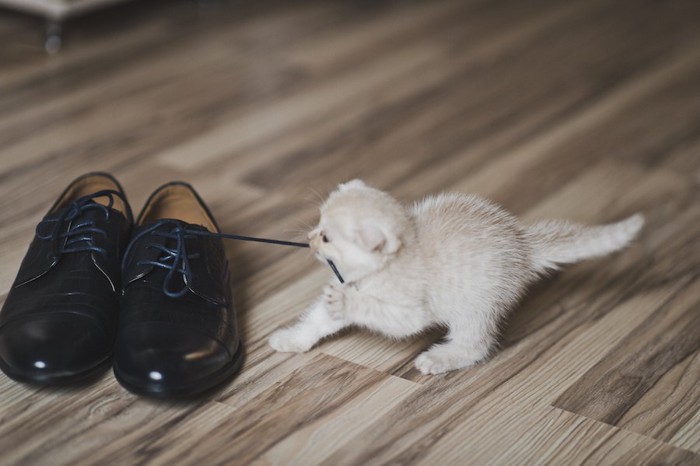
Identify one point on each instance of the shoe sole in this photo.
(196, 387)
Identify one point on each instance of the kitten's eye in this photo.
(324, 238)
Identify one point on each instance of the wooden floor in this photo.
(584, 109)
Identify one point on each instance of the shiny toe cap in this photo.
(56, 348)
(167, 360)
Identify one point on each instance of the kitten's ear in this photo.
(352, 184)
(373, 238)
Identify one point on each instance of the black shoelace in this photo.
(80, 234)
(176, 259)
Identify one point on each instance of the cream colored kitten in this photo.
(454, 260)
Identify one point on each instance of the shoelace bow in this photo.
(80, 235)
(176, 259)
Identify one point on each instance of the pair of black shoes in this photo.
(151, 297)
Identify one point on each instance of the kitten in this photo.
(453, 260)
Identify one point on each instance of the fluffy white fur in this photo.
(453, 260)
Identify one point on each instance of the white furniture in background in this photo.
(55, 11)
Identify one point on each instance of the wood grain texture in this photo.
(641, 368)
(584, 109)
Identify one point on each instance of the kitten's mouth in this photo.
(317, 252)
(325, 260)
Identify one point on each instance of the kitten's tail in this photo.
(557, 242)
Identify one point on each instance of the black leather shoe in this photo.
(177, 330)
(59, 320)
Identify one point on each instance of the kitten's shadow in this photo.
(533, 312)
(547, 300)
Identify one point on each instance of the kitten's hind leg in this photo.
(467, 343)
(314, 325)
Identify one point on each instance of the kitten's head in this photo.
(360, 230)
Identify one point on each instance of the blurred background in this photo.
(266, 105)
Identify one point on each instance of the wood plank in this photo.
(657, 361)
(243, 436)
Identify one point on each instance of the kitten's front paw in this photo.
(288, 341)
(438, 360)
(430, 364)
(334, 301)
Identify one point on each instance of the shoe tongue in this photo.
(206, 278)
